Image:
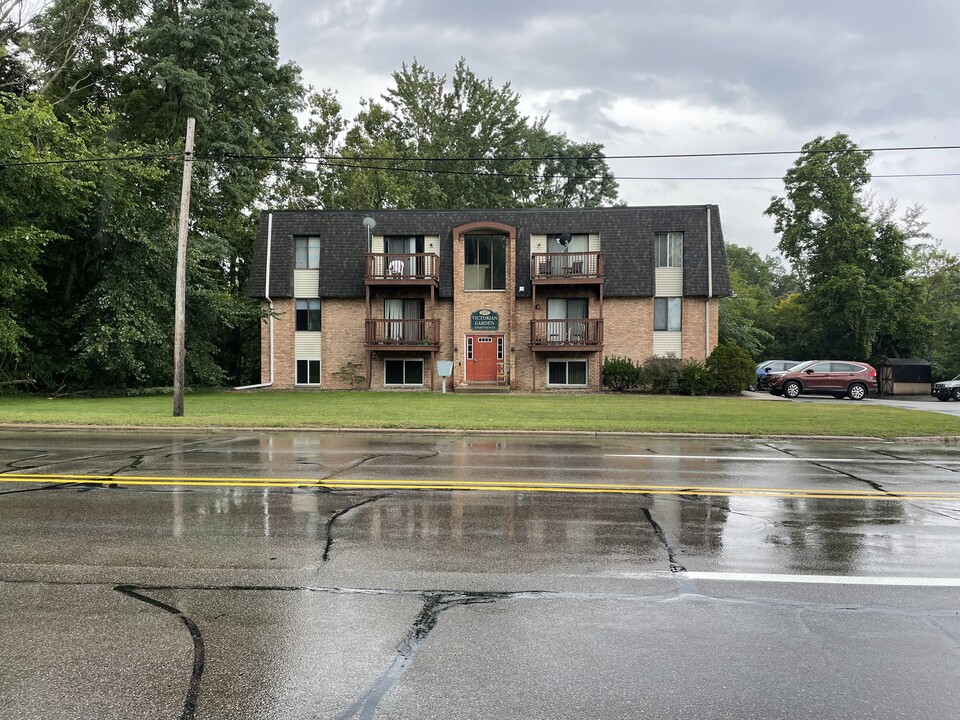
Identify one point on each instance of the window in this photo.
(484, 262)
(666, 313)
(308, 314)
(308, 372)
(403, 372)
(567, 372)
(669, 249)
(308, 253)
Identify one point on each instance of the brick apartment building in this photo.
(529, 300)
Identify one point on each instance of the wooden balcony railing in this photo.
(403, 333)
(566, 333)
(570, 267)
(403, 268)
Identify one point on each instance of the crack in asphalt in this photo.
(37, 489)
(353, 466)
(875, 485)
(13, 465)
(686, 585)
(675, 566)
(100, 456)
(365, 707)
(196, 674)
(137, 461)
(925, 463)
(340, 513)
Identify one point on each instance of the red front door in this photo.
(483, 354)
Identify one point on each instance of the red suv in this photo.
(825, 377)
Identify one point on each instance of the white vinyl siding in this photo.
(307, 345)
(667, 342)
(376, 244)
(306, 283)
(669, 281)
(538, 244)
(593, 244)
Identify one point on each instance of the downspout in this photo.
(706, 313)
(266, 294)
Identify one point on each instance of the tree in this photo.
(35, 200)
(435, 142)
(851, 267)
(936, 277)
(125, 76)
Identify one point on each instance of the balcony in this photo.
(402, 269)
(566, 268)
(569, 335)
(402, 334)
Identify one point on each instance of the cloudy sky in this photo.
(679, 77)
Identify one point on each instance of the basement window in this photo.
(308, 372)
(403, 372)
(567, 373)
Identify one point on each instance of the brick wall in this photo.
(343, 351)
(694, 309)
(628, 328)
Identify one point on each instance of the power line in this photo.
(78, 161)
(652, 156)
(618, 178)
(359, 163)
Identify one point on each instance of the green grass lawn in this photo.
(602, 413)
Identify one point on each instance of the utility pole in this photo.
(180, 305)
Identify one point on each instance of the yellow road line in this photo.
(479, 485)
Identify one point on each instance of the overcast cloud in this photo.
(693, 76)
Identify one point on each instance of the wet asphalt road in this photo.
(737, 579)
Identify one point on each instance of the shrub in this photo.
(661, 374)
(695, 379)
(620, 374)
(732, 368)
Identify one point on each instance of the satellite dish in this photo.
(369, 223)
(564, 240)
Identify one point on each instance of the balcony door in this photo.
(403, 245)
(560, 313)
(404, 316)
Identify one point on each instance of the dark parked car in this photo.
(946, 389)
(770, 366)
(825, 377)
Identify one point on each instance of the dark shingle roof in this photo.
(626, 234)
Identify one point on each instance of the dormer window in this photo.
(668, 247)
(307, 253)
